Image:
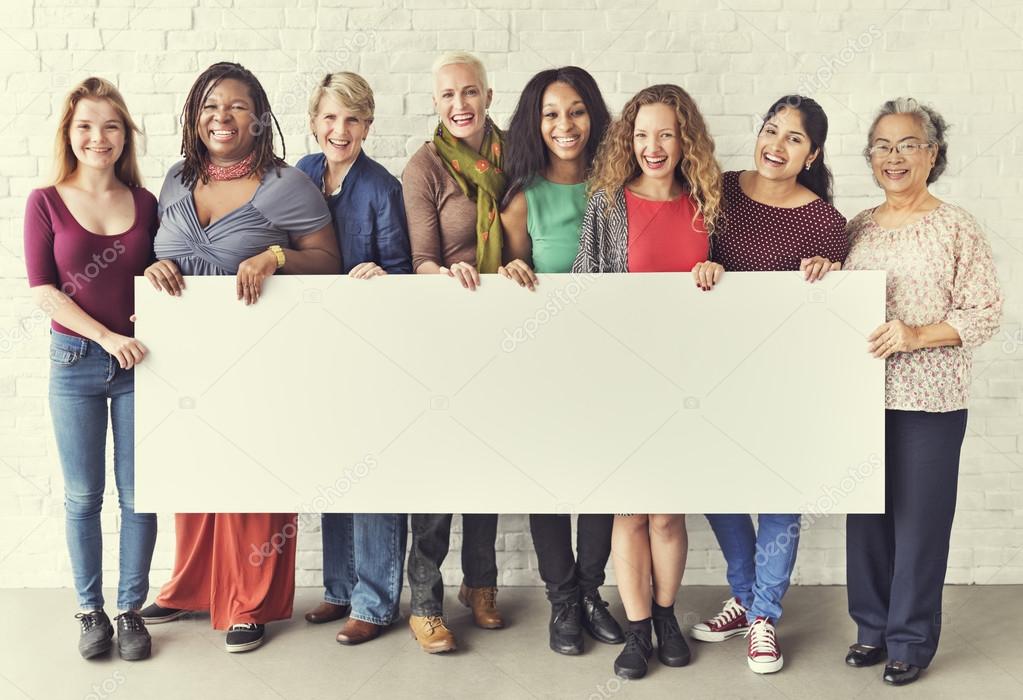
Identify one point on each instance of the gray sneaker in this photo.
(96, 633)
(133, 640)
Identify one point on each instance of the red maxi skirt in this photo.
(239, 566)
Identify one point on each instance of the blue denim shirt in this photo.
(368, 212)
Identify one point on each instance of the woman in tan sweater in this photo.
(452, 186)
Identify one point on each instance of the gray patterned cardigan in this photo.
(603, 240)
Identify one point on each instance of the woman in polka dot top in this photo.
(776, 217)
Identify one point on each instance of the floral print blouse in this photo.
(939, 270)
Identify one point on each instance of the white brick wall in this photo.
(735, 56)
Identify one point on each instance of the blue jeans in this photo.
(363, 558)
(84, 381)
(759, 563)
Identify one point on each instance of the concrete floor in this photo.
(979, 656)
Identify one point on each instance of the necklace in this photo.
(231, 172)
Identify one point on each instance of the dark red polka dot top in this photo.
(755, 237)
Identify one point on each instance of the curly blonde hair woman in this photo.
(655, 195)
(698, 169)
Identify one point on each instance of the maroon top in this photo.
(98, 272)
(756, 237)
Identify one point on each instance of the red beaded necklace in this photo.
(231, 172)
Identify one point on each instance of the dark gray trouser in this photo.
(895, 562)
(430, 539)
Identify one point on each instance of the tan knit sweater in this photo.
(441, 219)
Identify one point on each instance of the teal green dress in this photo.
(554, 214)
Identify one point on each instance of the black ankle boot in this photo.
(566, 633)
(672, 649)
(632, 662)
(597, 621)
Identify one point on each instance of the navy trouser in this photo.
(895, 562)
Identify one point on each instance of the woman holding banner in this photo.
(778, 216)
(452, 188)
(233, 207)
(656, 194)
(943, 301)
(96, 210)
(363, 553)
(553, 137)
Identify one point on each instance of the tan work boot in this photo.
(483, 602)
(431, 633)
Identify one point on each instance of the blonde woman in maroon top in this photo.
(86, 238)
(655, 197)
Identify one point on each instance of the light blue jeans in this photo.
(363, 560)
(759, 563)
(86, 382)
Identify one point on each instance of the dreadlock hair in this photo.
(194, 150)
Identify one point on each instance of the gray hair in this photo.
(934, 126)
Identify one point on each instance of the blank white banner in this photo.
(594, 394)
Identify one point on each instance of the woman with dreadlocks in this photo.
(233, 207)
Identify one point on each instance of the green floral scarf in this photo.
(481, 178)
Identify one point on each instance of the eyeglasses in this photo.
(904, 148)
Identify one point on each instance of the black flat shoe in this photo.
(632, 662)
(244, 636)
(96, 635)
(900, 673)
(861, 655)
(133, 640)
(154, 614)
(672, 649)
(566, 632)
(598, 622)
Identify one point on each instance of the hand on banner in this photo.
(465, 273)
(252, 273)
(892, 337)
(363, 271)
(521, 273)
(707, 274)
(815, 268)
(165, 275)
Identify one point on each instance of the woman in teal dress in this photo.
(551, 143)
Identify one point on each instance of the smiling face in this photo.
(227, 122)
(897, 173)
(460, 101)
(339, 131)
(564, 122)
(96, 134)
(783, 148)
(657, 141)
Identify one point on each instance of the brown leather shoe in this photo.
(483, 602)
(327, 612)
(358, 631)
(431, 633)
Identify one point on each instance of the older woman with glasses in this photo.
(943, 300)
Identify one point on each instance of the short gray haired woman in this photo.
(943, 300)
